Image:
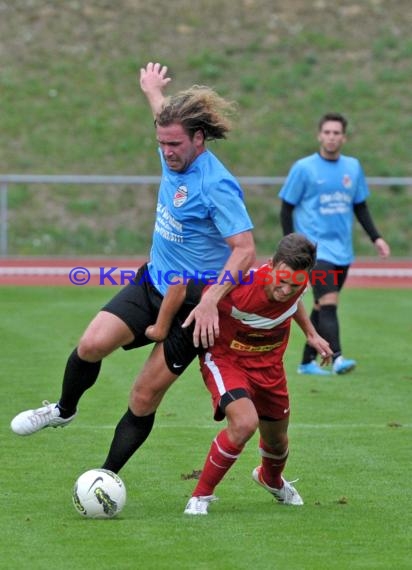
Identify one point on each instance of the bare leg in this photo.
(105, 334)
(151, 384)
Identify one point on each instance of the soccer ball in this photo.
(99, 494)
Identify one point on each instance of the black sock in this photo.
(329, 327)
(130, 433)
(79, 376)
(309, 353)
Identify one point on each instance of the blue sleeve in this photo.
(227, 208)
(294, 185)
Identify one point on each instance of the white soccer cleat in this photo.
(31, 421)
(199, 505)
(287, 495)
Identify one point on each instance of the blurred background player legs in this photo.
(327, 281)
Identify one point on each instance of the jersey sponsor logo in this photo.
(236, 345)
(180, 197)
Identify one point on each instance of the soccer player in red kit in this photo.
(245, 375)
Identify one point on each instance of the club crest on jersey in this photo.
(347, 181)
(180, 196)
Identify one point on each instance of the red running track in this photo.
(367, 273)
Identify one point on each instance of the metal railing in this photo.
(7, 179)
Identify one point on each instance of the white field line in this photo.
(292, 426)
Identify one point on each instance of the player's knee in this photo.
(242, 428)
(145, 400)
(92, 349)
(249, 426)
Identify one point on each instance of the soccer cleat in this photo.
(287, 495)
(343, 365)
(199, 505)
(312, 368)
(30, 421)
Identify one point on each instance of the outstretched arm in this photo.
(153, 80)
(312, 337)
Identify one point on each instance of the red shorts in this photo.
(266, 387)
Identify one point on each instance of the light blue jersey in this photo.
(324, 193)
(196, 210)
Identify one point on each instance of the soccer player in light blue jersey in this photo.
(201, 224)
(321, 194)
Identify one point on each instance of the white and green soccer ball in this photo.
(99, 494)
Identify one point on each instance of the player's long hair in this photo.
(198, 108)
(295, 251)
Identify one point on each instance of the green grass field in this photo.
(350, 447)
(70, 104)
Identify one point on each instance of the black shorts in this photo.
(327, 277)
(138, 304)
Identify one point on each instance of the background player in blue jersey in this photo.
(201, 219)
(319, 197)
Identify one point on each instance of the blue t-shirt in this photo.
(323, 193)
(196, 210)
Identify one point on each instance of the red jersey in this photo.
(253, 328)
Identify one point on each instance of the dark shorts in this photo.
(327, 277)
(138, 304)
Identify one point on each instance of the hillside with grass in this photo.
(70, 104)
